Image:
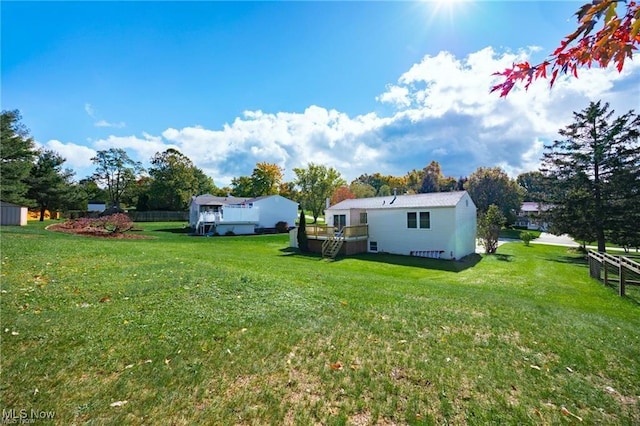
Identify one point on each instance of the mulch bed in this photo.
(130, 235)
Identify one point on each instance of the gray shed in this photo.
(12, 214)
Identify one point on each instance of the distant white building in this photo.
(209, 214)
(13, 214)
(530, 216)
(96, 206)
(439, 225)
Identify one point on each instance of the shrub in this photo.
(115, 223)
(282, 227)
(489, 225)
(303, 242)
(526, 237)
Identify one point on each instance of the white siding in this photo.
(11, 214)
(388, 228)
(236, 228)
(329, 218)
(466, 227)
(240, 215)
(276, 209)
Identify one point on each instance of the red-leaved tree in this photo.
(613, 43)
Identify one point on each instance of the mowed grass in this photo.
(242, 330)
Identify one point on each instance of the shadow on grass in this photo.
(395, 259)
(184, 231)
(503, 257)
(571, 260)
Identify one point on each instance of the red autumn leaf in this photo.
(615, 41)
(336, 366)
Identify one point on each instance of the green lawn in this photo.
(515, 233)
(242, 330)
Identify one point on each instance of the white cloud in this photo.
(443, 111)
(89, 110)
(77, 157)
(144, 148)
(105, 123)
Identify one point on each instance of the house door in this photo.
(340, 221)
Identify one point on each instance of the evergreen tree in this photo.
(16, 158)
(303, 241)
(49, 185)
(592, 175)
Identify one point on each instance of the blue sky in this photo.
(363, 87)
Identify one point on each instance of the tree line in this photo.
(589, 180)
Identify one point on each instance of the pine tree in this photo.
(592, 175)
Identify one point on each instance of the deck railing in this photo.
(324, 231)
(618, 269)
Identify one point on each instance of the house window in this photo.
(412, 221)
(373, 246)
(425, 220)
(421, 220)
(340, 221)
(363, 218)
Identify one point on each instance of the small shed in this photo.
(13, 214)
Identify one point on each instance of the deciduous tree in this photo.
(317, 183)
(342, 193)
(614, 42)
(362, 190)
(533, 185)
(115, 171)
(266, 179)
(242, 186)
(491, 185)
(175, 180)
(431, 177)
(489, 225)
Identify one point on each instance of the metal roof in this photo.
(433, 199)
(212, 200)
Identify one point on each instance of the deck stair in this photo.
(332, 245)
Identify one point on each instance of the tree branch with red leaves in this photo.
(614, 43)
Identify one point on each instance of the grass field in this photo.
(241, 330)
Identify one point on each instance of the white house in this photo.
(530, 216)
(274, 209)
(13, 214)
(439, 225)
(209, 214)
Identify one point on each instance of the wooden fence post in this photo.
(622, 279)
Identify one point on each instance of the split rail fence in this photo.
(614, 269)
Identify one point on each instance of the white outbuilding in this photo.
(13, 214)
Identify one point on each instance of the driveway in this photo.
(555, 240)
(544, 238)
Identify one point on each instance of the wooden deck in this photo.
(323, 232)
